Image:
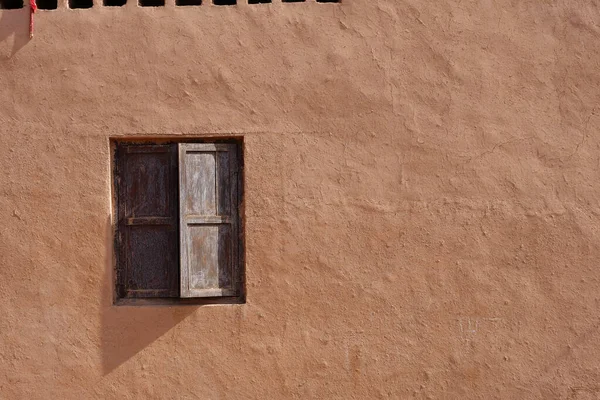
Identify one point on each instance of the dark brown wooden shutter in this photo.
(148, 236)
(208, 184)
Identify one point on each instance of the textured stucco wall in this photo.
(422, 199)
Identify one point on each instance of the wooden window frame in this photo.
(118, 250)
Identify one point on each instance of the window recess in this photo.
(178, 227)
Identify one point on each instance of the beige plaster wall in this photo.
(422, 199)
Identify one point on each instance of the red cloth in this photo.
(33, 9)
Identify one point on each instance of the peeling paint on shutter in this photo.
(208, 210)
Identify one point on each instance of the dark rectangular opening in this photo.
(224, 2)
(10, 4)
(81, 3)
(258, 1)
(188, 2)
(47, 4)
(114, 3)
(151, 3)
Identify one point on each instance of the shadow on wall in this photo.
(127, 330)
(15, 23)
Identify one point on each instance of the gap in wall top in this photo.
(88, 4)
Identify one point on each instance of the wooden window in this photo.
(178, 221)
(147, 226)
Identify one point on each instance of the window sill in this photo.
(204, 301)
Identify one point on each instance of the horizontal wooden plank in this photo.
(139, 293)
(207, 219)
(150, 221)
(208, 147)
(216, 292)
(151, 148)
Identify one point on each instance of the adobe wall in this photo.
(422, 199)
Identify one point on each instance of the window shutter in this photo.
(208, 212)
(147, 221)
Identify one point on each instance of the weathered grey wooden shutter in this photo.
(147, 236)
(208, 212)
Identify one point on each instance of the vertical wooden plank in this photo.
(224, 183)
(234, 203)
(184, 269)
(147, 179)
(225, 253)
(200, 194)
(203, 248)
(208, 220)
